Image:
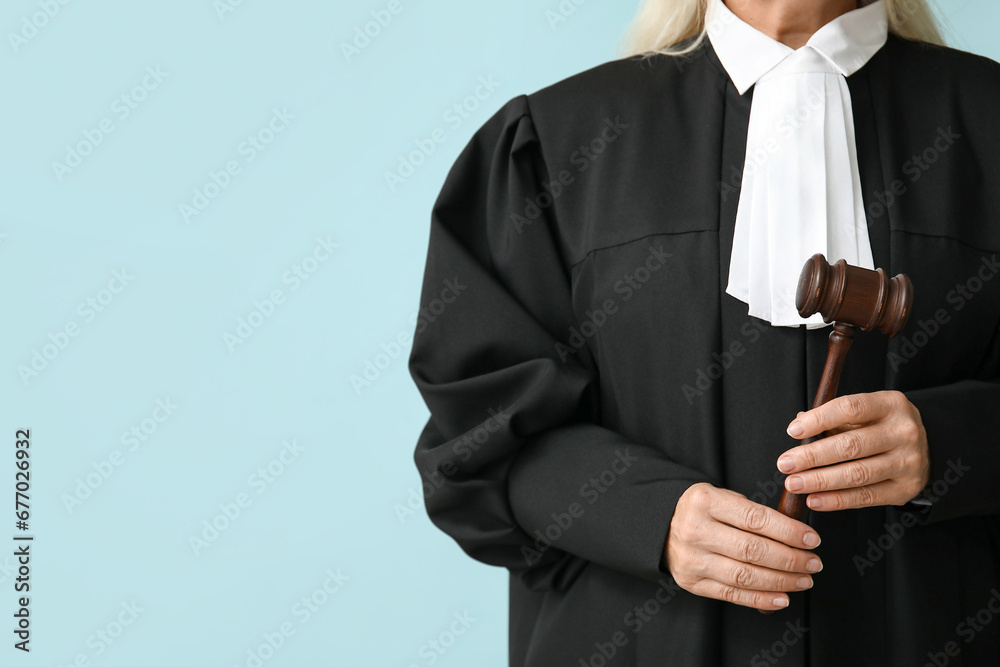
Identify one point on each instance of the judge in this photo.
(617, 395)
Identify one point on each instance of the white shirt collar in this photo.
(747, 54)
(801, 188)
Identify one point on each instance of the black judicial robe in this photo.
(588, 366)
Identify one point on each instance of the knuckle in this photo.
(909, 431)
(701, 495)
(689, 532)
(866, 497)
(854, 407)
(686, 581)
(755, 517)
(791, 563)
(784, 560)
(818, 482)
(731, 594)
(895, 398)
(809, 457)
(858, 474)
(752, 551)
(743, 576)
(850, 445)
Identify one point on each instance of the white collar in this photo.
(801, 188)
(847, 41)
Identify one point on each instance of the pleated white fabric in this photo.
(801, 189)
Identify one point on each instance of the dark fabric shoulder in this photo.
(623, 76)
(945, 74)
(510, 123)
(623, 83)
(630, 149)
(939, 135)
(945, 64)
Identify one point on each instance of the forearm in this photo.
(593, 493)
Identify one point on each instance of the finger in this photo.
(850, 445)
(873, 495)
(841, 429)
(840, 411)
(752, 577)
(753, 549)
(752, 517)
(848, 475)
(766, 600)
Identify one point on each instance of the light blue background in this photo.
(336, 505)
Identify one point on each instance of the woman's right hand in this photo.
(722, 545)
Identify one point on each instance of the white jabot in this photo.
(801, 189)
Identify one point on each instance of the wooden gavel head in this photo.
(855, 296)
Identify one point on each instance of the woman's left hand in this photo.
(877, 454)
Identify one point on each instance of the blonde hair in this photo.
(676, 27)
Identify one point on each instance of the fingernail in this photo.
(811, 540)
(814, 503)
(794, 484)
(804, 582)
(814, 565)
(786, 464)
(795, 429)
(780, 602)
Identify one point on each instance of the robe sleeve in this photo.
(962, 421)
(516, 467)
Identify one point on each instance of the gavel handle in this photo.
(791, 504)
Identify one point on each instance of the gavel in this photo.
(850, 297)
